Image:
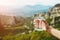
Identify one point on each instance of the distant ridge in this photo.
(27, 10)
(57, 5)
(7, 14)
(30, 10)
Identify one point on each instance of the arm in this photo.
(55, 32)
(52, 30)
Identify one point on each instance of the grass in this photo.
(41, 35)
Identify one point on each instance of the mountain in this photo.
(7, 20)
(30, 10)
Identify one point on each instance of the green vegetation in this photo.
(20, 32)
(42, 35)
(49, 20)
(57, 22)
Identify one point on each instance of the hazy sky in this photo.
(27, 2)
(6, 4)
